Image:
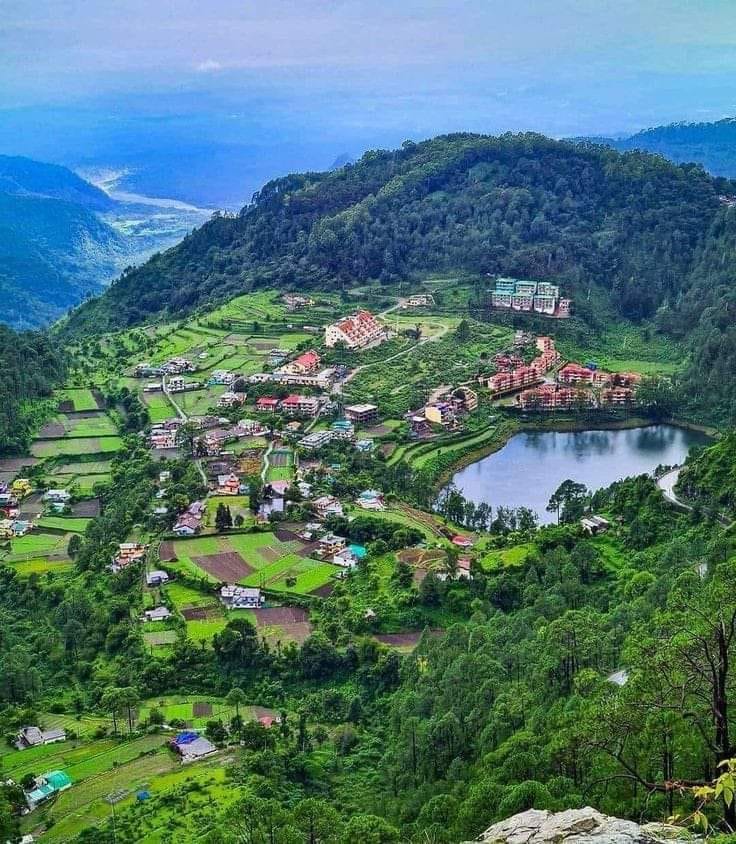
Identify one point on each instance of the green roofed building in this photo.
(46, 786)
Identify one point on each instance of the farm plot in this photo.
(198, 402)
(64, 524)
(42, 566)
(158, 406)
(280, 465)
(74, 399)
(37, 544)
(252, 559)
(72, 447)
(158, 638)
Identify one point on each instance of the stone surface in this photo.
(578, 826)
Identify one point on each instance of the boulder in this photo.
(578, 826)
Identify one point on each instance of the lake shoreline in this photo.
(564, 425)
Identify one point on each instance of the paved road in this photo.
(667, 484)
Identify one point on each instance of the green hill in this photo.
(520, 204)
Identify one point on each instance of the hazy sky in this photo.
(308, 80)
(592, 57)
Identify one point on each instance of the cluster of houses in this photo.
(448, 410)
(173, 366)
(306, 370)
(513, 374)
(523, 295)
(581, 387)
(297, 302)
(333, 548)
(341, 430)
(45, 787)
(357, 331)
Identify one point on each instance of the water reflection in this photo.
(530, 467)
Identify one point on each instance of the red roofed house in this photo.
(462, 541)
(573, 373)
(300, 405)
(304, 364)
(267, 404)
(356, 331)
(228, 484)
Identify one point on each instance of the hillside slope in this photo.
(21, 176)
(52, 254)
(518, 204)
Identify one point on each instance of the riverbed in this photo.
(530, 467)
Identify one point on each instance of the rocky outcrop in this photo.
(578, 826)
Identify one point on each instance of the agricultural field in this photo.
(516, 555)
(37, 544)
(404, 383)
(253, 559)
(158, 406)
(198, 402)
(280, 465)
(73, 447)
(63, 523)
(42, 566)
(76, 399)
(238, 505)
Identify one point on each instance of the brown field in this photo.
(298, 632)
(421, 559)
(280, 615)
(87, 509)
(15, 464)
(52, 431)
(323, 591)
(66, 406)
(387, 449)
(228, 566)
(404, 641)
(201, 709)
(201, 613)
(166, 552)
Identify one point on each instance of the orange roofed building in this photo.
(356, 331)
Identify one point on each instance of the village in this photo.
(258, 512)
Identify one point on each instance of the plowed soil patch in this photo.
(201, 613)
(324, 591)
(280, 616)
(228, 566)
(202, 709)
(166, 552)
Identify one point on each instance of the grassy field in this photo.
(82, 399)
(72, 447)
(159, 407)
(83, 467)
(42, 566)
(37, 544)
(97, 426)
(73, 525)
(507, 557)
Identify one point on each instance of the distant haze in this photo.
(204, 102)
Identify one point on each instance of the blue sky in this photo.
(322, 78)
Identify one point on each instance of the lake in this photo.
(530, 467)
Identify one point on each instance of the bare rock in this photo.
(578, 826)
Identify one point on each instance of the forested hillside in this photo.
(21, 176)
(711, 144)
(30, 367)
(519, 204)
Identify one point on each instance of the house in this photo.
(550, 397)
(305, 364)
(440, 413)
(187, 525)
(365, 446)
(573, 373)
(230, 399)
(153, 387)
(355, 332)
(163, 439)
(269, 507)
(617, 396)
(316, 440)
(277, 356)
(157, 577)
(462, 541)
(327, 505)
(345, 558)
(371, 499)
(295, 405)
(363, 414)
(157, 614)
(46, 786)
(507, 382)
(342, 429)
(249, 427)
(191, 746)
(35, 736)
(419, 300)
(57, 496)
(595, 525)
(331, 544)
(21, 487)
(221, 376)
(240, 597)
(464, 399)
(267, 404)
(228, 484)
(128, 553)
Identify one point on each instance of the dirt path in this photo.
(183, 416)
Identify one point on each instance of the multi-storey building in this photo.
(356, 331)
